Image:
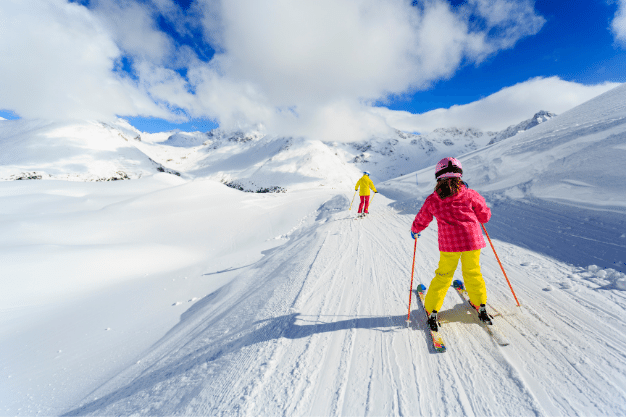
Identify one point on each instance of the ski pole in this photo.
(408, 317)
(501, 267)
(352, 201)
(369, 203)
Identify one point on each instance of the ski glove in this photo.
(415, 235)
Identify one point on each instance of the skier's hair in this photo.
(447, 187)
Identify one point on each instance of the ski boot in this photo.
(484, 316)
(432, 321)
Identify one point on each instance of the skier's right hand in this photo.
(415, 235)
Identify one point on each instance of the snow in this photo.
(80, 151)
(177, 295)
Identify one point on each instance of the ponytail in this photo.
(448, 187)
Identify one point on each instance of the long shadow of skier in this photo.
(271, 329)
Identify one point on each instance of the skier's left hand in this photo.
(415, 235)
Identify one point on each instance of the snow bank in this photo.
(94, 273)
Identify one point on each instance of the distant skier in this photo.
(364, 185)
(459, 212)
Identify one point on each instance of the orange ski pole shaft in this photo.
(408, 317)
(501, 267)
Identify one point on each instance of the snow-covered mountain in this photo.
(391, 157)
(250, 160)
(292, 163)
(253, 161)
(177, 295)
(81, 151)
(540, 117)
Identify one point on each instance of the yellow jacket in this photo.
(365, 184)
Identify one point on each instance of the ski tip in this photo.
(457, 283)
(421, 287)
(438, 344)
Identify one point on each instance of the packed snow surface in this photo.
(177, 295)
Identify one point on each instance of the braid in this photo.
(448, 187)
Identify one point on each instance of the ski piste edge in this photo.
(437, 338)
(493, 330)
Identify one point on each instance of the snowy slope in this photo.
(253, 160)
(317, 328)
(173, 296)
(81, 151)
(95, 273)
(538, 118)
(559, 187)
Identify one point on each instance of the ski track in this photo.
(318, 327)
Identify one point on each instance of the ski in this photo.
(493, 329)
(437, 338)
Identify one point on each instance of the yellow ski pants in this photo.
(474, 282)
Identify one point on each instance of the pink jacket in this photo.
(458, 218)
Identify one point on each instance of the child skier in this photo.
(459, 212)
(364, 184)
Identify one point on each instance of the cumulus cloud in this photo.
(57, 62)
(132, 26)
(619, 22)
(507, 107)
(298, 68)
(298, 62)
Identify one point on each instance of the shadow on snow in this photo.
(284, 327)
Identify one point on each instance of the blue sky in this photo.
(326, 69)
(574, 44)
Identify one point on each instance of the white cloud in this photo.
(619, 22)
(364, 49)
(507, 107)
(133, 28)
(310, 57)
(57, 62)
(293, 66)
